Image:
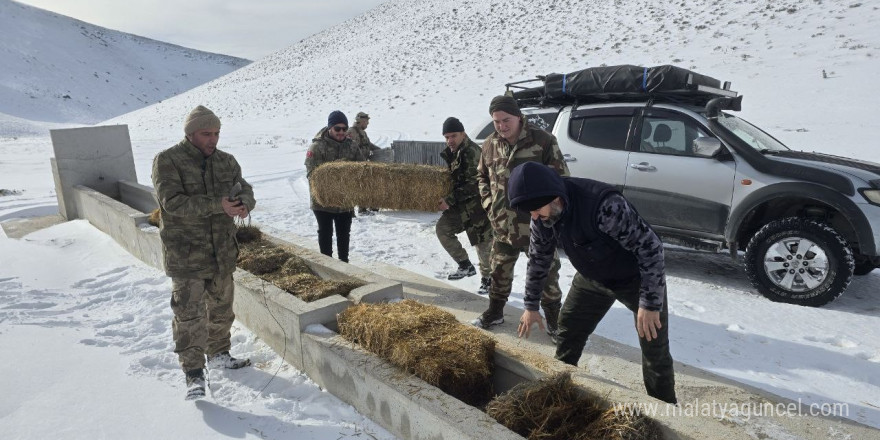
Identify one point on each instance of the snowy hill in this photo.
(61, 70)
(412, 63)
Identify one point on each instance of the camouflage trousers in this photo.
(587, 303)
(504, 258)
(452, 223)
(202, 318)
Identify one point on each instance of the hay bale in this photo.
(380, 185)
(248, 234)
(619, 425)
(427, 342)
(155, 217)
(548, 409)
(554, 408)
(261, 258)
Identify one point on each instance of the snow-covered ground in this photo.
(410, 65)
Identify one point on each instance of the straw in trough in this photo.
(380, 185)
(248, 234)
(308, 287)
(261, 257)
(554, 408)
(155, 217)
(428, 342)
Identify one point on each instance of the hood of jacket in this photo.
(532, 180)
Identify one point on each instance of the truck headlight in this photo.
(872, 195)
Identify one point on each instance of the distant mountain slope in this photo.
(411, 63)
(58, 69)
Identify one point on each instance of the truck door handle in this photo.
(568, 158)
(644, 166)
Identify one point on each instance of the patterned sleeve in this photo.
(542, 247)
(622, 223)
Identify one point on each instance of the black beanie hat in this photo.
(506, 104)
(452, 125)
(534, 204)
(336, 117)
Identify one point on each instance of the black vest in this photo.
(593, 253)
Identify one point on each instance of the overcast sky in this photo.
(244, 28)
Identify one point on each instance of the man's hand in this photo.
(647, 324)
(525, 322)
(234, 208)
(443, 206)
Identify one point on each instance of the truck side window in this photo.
(607, 132)
(669, 135)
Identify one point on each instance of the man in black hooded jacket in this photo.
(617, 257)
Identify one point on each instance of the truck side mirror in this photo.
(706, 146)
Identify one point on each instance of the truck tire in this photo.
(799, 261)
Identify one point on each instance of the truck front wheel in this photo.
(799, 261)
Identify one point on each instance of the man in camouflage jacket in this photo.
(358, 135)
(617, 256)
(462, 210)
(332, 144)
(193, 181)
(513, 142)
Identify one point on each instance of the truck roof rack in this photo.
(625, 83)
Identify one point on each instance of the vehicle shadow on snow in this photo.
(861, 297)
(724, 349)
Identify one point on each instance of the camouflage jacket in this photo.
(198, 238)
(622, 231)
(326, 149)
(463, 172)
(362, 141)
(497, 160)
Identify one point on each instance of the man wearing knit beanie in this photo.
(201, 192)
(332, 144)
(462, 211)
(514, 142)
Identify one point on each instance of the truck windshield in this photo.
(750, 134)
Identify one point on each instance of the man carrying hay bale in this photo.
(332, 144)
(513, 142)
(358, 135)
(194, 181)
(462, 210)
(617, 256)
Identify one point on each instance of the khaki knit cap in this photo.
(200, 118)
(361, 115)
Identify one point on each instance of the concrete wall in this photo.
(96, 157)
(125, 224)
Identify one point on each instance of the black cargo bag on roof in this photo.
(623, 80)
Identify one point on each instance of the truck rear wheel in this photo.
(799, 261)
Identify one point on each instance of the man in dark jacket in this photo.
(194, 181)
(617, 257)
(331, 144)
(462, 210)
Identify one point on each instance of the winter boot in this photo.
(225, 360)
(551, 314)
(485, 283)
(465, 269)
(494, 315)
(195, 384)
